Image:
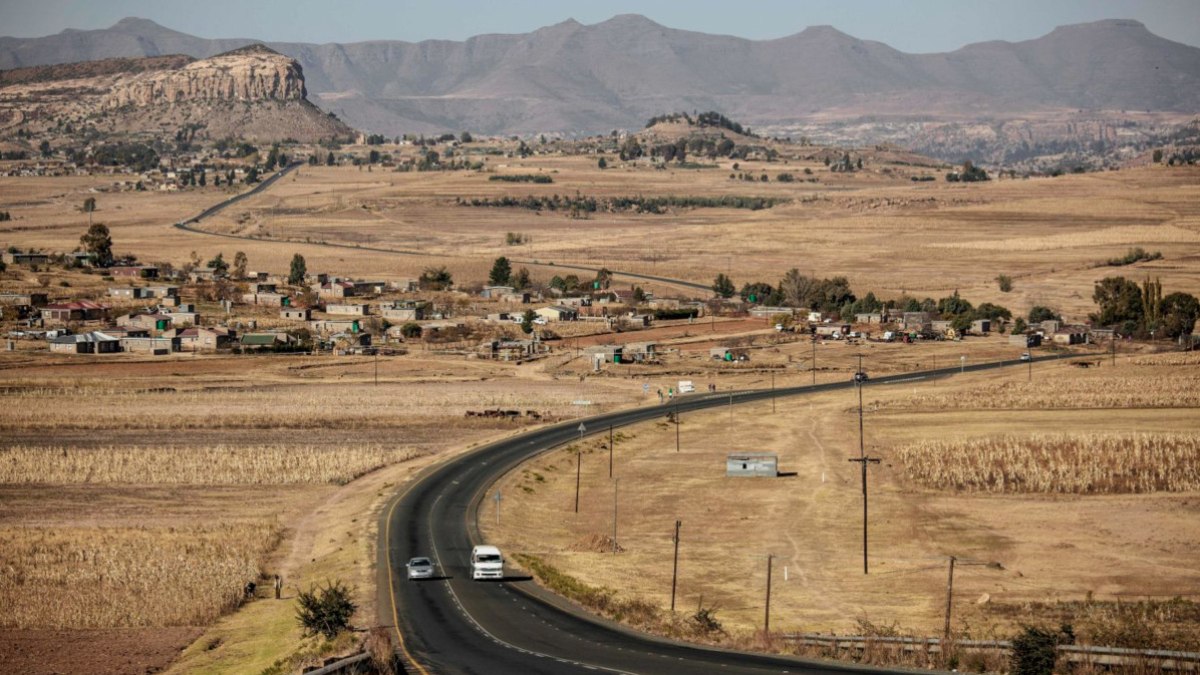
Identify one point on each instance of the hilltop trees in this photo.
(98, 243)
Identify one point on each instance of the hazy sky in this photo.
(908, 25)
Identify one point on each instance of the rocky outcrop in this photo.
(250, 74)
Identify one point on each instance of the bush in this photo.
(325, 611)
(1005, 283)
(1035, 650)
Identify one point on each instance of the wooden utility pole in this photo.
(772, 391)
(675, 565)
(610, 451)
(814, 358)
(767, 611)
(578, 464)
(949, 600)
(616, 484)
(864, 460)
(677, 423)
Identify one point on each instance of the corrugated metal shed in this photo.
(752, 464)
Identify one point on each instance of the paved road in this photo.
(455, 625)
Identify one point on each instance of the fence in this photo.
(1076, 654)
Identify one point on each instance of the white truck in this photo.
(486, 563)
(686, 387)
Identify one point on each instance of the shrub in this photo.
(1035, 650)
(1005, 283)
(325, 611)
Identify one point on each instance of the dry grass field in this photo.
(141, 510)
(1057, 540)
(882, 231)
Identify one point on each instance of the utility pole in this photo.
(677, 422)
(1031, 368)
(858, 385)
(610, 451)
(675, 565)
(1114, 347)
(616, 484)
(376, 366)
(949, 598)
(814, 358)
(730, 407)
(767, 611)
(772, 391)
(864, 461)
(578, 464)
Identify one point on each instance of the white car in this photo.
(420, 568)
(1026, 357)
(541, 321)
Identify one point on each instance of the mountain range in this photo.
(575, 78)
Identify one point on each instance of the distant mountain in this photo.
(251, 92)
(571, 77)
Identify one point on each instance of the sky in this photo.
(913, 26)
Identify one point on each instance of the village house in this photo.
(435, 329)
(868, 318)
(513, 350)
(329, 326)
(126, 292)
(85, 343)
(267, 298)
(266, 341)
(640, 352)
(766, 311)
(1070, 335)
(160, 292)
(25, 258)
(203, 274)
(407, 310)
(126, 331)
(406, 285)
(835, 331)
(296, 313)
(262, 287)
(144, 344)
(981, 326)
(144, 321)
(917, 321)
(336, 289)
(80, 310)
(495, 292)
(134, 271)
(24, 299)
(346, 309)
(202, 339)
(557, 313)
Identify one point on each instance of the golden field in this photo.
(1057, 536)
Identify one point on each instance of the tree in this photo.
(527, 321)
(252, 175)
(1035, 650)
(435, 279)
(98, 243)
(1158, 155)
(329, 160)
(44, 148)
(466, 137)
(953, 305)
(521, 279)
(1178, 313)
(1019, 326)
(1005, 283)
(89, 205)
(325, 611)
(501, 272)
(411, 330)
(796, 289)
(603, 279)
(218, 264)
(1119, 301)
(239, 265)
(723, 286)
(299, 270)
(1038, 314)
(758, 293)
(602, 163)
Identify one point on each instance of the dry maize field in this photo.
(1048, 463)
(78, 577)
(1170, 389)
(274, 464)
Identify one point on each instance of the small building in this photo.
(752, 464)
(835, 331)
(201, 339)
(941, 326)
(336, 289)
(80, 310)
(517, 298)
(134, 271)
(25, 258)
(329, 326)
(640, 352)
(981, 326)
(1025, 340)
(1070, 335)
(126, 292)
(148, 322)
(406, 285)
(606, 353)
(868, 318)
(24, 299)
(158, 346)
(264, 341)
(815, 317)
(557, 313)
(262, 287)
(85, 343)
(916, 321)
(346, 309)
(160, 292)
(296, 313)
(512, 350)
(495, 292)
(407, 310)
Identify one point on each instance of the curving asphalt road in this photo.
(455, 625)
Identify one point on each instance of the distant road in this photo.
(455, 625)
(189, 225)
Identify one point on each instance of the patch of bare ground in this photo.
(119, 651)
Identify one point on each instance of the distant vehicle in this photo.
(686, 387)
(541, 321)
(888, 336)
(861, 377)
(778, 328)
(420, 568)
(486, 563)
(1026, 356)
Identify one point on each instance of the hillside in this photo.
(571, 77)
(251, 92)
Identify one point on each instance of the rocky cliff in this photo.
(252, 92)
(250, 74)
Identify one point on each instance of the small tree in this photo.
(98, 243)
(1035, 650)
(325, 610)
(521, 279)
(411, 330)
(723, 286)
(89, 205)
(436, 279)
(218, 264)
(1178, 313)
(1005, 283)
(239, 265)
(602, 163)
(527, 321)
(501, 272)
(299, 270)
